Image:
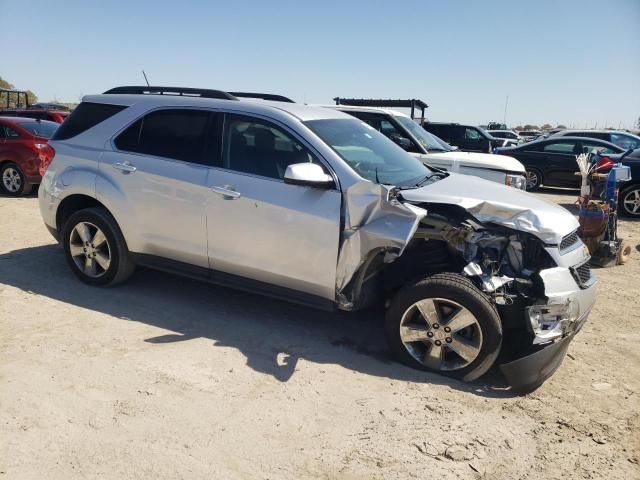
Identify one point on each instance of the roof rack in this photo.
(175, 91)
(17, 93)
(263, 96)
(412, 103)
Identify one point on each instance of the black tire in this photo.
(461, 290)
(628, 194)
(24, 187)
(532, 173)
(121, 264)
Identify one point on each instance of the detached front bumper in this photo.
(562, 289)
(528, 373)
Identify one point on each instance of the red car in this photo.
(57, 116)
(24, 153)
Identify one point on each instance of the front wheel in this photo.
(444, 324)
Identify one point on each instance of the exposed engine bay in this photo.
(501, 262)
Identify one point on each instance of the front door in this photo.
(263, 229)
(472, 140)
(560, 158)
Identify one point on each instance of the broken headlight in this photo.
(550, 322)
(515, 181)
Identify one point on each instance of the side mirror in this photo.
(308, 174)
(401, 141)
(625, 154)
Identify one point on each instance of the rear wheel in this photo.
(630, 201)
(444, 324)
(13, 181)
(95, 248)
(534, 179)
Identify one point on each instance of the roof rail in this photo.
(412, 103)
(175, 91)
(263, 96)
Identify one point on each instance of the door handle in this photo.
(125, 167)
(227, 192)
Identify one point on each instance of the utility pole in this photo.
(506, 104)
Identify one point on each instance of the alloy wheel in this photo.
(532, 180)
(441, 334)
(631, 202)
(90, 249)
(12, 180)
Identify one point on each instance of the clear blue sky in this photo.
(571, 62)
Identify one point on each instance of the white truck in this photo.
(434, 151)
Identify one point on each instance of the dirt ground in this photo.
(168, 378)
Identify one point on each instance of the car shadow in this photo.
(271, 334)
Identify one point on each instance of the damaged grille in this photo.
(582, 274)
(569, 240)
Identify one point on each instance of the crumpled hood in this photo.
(491, 202)
(481, 160)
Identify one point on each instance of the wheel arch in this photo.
(73, 203)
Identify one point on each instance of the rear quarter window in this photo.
(179, 134)
(84, 117)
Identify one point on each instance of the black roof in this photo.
(372, 102)
(598, 141)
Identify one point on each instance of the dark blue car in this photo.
(629, 198)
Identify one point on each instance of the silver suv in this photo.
(314, 206)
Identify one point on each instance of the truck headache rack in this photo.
(6, 95)
(412, 103)
(174, 91)
(264, 96)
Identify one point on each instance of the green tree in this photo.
(530, 127)
(546, 126)
(564, 127)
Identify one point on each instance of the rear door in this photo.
(263, 229)
(159, 163)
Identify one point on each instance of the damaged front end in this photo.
(542, 291)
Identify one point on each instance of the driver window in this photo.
(593, 148)
(471, 134)
(260, 148)
(624, 141)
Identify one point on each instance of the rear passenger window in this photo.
(84, 117)
(172, 133)
(560, 147)
(260, 148)
(6, 132)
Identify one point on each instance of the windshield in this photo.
(40, 129)
(372, 155)
(426, 139)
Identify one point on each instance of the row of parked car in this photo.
(502, 155)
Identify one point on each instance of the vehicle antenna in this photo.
(145, 78)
